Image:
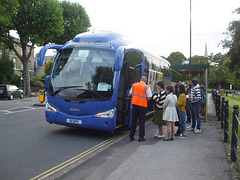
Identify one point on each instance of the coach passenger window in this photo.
(134, 58)
(146, 68)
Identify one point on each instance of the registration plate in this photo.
(74, 121)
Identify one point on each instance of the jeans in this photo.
(196, 114)
(182, 116)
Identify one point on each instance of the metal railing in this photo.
(229, 123)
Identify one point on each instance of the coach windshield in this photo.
(81, 73)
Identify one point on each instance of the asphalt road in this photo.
(31, 146)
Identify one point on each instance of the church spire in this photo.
(206, 54)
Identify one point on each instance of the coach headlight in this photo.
(106, 114)
(50, 108)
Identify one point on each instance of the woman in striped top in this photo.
(158, 114)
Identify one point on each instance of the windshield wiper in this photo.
(96, 93)
(62, 88)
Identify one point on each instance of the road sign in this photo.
(41, 95)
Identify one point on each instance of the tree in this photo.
(76, 21)
(7, 70)
(7, 9)
(199, 60)
(36, 22)
(219, 76)
(48, 67)
(218, 71)
(176, 58)
(233, 43)
(216, 59)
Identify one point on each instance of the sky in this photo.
(163, 26)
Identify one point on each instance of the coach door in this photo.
(130, 73)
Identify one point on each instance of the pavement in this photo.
(198, 157)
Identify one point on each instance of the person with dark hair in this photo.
(179, 130)
(182, 111)
(188, 93)
(170, 113)
(195, 100)
(140, 93)
(176, 90)
(158, 114)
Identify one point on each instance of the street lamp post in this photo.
(190, 32)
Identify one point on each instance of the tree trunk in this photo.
(26, 79)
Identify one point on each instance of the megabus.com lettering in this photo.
(89, 44)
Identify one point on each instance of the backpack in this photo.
(188, 106)
(203, 98)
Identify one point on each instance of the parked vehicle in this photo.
(10, 91)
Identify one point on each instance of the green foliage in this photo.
(38, 84)
(76, 21)
(7, 75)
(216, 59)
(7, 9)
(176, 58)
(199, 60)
(219, 76)
(7, 70)
(233, 43)
(43, 76)
(16, 80)
(38, 21)
(48, 67)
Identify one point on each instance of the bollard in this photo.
(234, 134)
(218, 107)
(216, 103)
(223, 98)
(226, 106)
(41, 95)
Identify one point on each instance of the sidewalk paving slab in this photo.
(198, 157)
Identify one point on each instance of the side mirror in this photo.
(119, 58)
(47, 81)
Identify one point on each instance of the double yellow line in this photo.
(76, 158)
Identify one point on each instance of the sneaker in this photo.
(189, 127)
(197, 131)
(191, 130)
(181, 136)
(161, 136)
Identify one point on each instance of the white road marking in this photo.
(19, 109)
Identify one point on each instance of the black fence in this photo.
(229, 120)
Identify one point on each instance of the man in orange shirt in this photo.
(140, 93)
